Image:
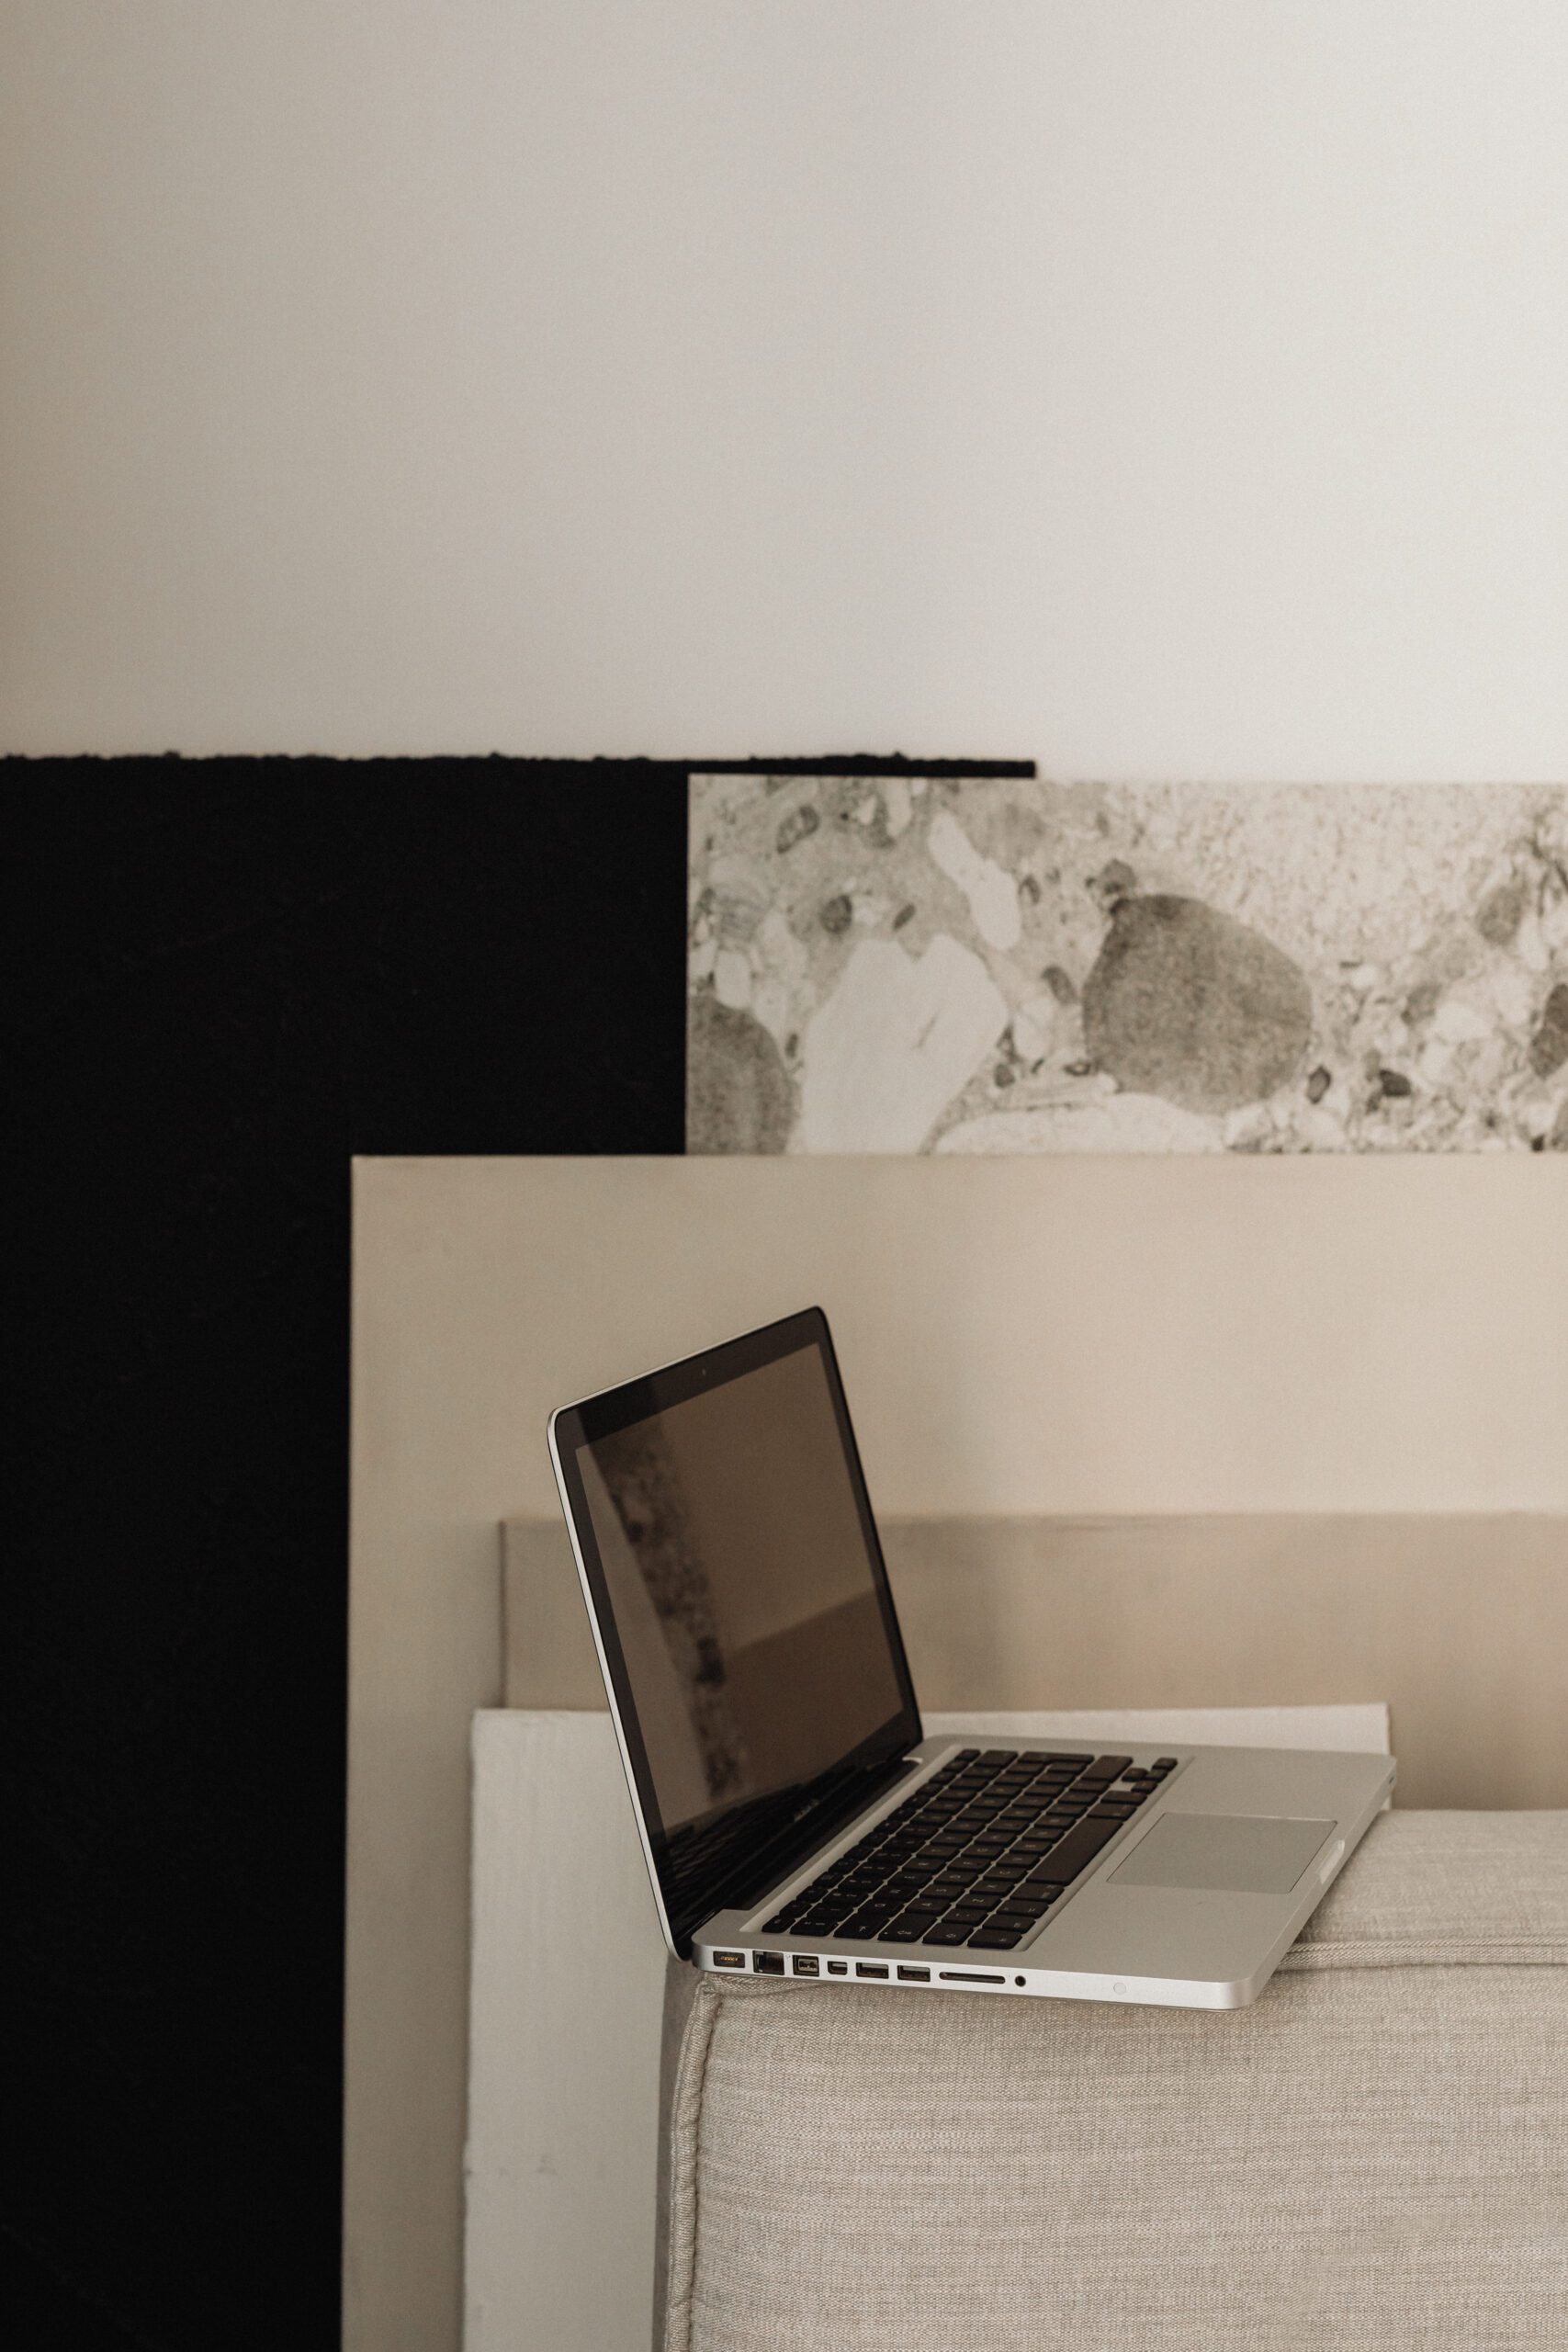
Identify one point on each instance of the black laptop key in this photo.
(945, 1932)
(996, 1938)
(1080, 1847)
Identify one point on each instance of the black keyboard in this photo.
(978, 1854)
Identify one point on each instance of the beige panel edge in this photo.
(424, 1653)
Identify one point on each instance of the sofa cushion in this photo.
(1375, 2155)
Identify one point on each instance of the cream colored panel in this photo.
(1018, 1337)
(1055, 1335)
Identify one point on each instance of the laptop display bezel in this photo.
(577, 1426)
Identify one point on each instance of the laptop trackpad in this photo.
(1243, 1854)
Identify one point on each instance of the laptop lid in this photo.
(747, 1634)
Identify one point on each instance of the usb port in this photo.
(729, 1960)
(768, 1964)
(913, 1975)
(837, 1968)
(870, 1968)
(806, 1966)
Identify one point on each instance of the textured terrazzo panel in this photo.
(906, 965)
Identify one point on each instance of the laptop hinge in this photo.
(775, 1861)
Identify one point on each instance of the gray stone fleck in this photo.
(1190, 1004)
(1422, 1002)
(837, 916)
(794, 828)
(1114, 883)
(1062, 985)
(904, 914)
(1393, 1083)
(1002, 1075)
(1501, 910)
(1029, 889)
(1548, 1046)
(1558, 1138)
(1318, 1084)
(740, 1097)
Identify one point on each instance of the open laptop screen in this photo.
(740, 1595)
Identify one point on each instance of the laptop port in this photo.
(837, 1968)
(804, 1966)
(913, 1975)
(870, 1968)
(768, 1964)
(969, 1976)
(729, 1960)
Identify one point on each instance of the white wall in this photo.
(1154, 390)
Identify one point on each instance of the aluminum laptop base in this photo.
(1191, 1903)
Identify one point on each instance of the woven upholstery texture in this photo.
(1374, 2155)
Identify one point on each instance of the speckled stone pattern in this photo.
(898, 964)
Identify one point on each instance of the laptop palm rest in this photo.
(1235, 1853)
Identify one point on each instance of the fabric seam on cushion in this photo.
(691, 2074)
(1509, 1951)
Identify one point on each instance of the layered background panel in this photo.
(1011, 965)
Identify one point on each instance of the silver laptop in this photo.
(796, 1820)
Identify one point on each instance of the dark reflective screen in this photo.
(743, 1590)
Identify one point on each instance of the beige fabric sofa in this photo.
(1373, 2156)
